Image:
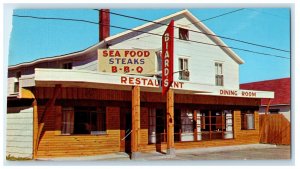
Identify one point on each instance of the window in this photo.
(152, 125)
(218, 125)
(17, 84)
(274, 111)
(67, 127)
(183, 34)
(219, 74)
(67, 65)
(83, 120)
(157, 126)
(184, 73)
(203, 125)
(187, 125)
(247, 120)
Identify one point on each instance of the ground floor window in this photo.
(247, 120)
(191, 125)
(196, 125)
(83, 120)
(157, 126)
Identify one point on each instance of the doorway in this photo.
(125, 132)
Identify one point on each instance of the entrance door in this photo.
(128, 132)
(160, 126)
(125, 133)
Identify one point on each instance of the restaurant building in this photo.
(107, 98)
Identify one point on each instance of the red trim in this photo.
(167, 57)
(281, 88)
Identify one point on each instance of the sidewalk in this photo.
(240, 152)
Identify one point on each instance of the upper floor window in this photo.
(184, 73)
(219, 74)
(68, 65)
(17, 84)
(183, 34)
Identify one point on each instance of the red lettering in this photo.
(123, 80)
(144, 81)
(117, 54)
(104, 53)
(139, 53)
(114, 69)
(181, 83)
(137, 81)
(146, 53)
(175, 84)
(150, 83)
(126, 69)
(131, 79)
(139, 69)
(111, 53)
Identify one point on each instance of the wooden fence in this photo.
(275, 129)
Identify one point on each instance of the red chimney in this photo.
(104, 22)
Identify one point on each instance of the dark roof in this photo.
(281, 88)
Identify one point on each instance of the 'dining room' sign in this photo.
(127, 61)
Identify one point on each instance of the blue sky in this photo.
(32, 39)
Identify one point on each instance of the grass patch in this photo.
(12, 158)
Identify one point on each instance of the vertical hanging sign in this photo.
(167, 57)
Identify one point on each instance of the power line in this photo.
(203, 20)
(97, 23)
(228, 38)
(268, 13)
(49, 18)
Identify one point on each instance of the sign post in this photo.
(167, 57)
(167, 80)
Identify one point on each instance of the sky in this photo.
(32, 38)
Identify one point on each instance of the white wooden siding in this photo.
(202, 57)
(10, 85)
(92, 66)
(19, 136)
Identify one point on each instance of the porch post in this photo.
(170, 122)
(35, 128)
(135, 135)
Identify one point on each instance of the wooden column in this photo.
(195, 124)
(35, 128)
(170, 122)
(135, 135)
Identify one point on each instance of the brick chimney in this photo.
(104, 22)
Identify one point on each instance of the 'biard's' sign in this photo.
(167, 57)
(127, 61)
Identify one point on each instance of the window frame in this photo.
(214, 125)
(17, 82)
(72, 110)
(244, 114)
(183, 65)
(219, 74)
(183, 34)
(67, 65)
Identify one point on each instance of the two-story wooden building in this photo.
(69, 106)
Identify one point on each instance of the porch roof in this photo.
(101, 80)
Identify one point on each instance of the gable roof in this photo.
(195, 21)
(103, 43)
(281, 88)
